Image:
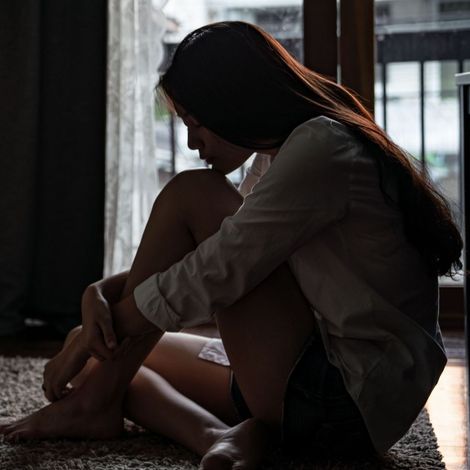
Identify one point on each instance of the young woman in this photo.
(321, 273)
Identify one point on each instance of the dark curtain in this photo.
(52, 141)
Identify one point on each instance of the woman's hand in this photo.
(99, 338)
(62, 368)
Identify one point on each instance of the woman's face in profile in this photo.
(223, 156)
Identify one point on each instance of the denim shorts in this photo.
(319, 416)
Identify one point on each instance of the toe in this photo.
(12, 437)
(9, 428)
(6, 430)
(215, 462)
(4, 424)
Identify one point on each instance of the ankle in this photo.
(99, 393)
(209, 436)
(93, 405)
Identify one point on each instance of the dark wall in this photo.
(52, 141)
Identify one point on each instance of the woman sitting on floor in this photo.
(321, 272)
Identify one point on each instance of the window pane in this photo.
(420, 12)
(378, 91)
(281, 18)
(436, 34)
(441, 121)
(403, 106)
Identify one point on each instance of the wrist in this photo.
(111, 287)
(130, 321)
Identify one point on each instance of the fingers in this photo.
(54, 392)
(118, 352)
(50, 373)
(98, 331)
(46, 388)
(97, 356)
(49, 394)
(107, 330)
(104, 319)
(52, 386)
(96, 346)
(64, 392)
(59, 391)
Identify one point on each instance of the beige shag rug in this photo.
(20, 394)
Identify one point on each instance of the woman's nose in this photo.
(194, 141)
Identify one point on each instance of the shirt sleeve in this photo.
(304, 191)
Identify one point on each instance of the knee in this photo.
(195, 185)
(197, 175)
(72, 334)
(205, 183)
(199, 192)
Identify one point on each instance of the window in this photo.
(420, 48)
(452, 9)
(416, 96)
(420, 45)
(382, 14)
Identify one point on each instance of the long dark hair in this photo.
(239, 82)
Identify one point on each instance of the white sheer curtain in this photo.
(135, 31)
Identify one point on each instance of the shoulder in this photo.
(320, 144)
(310, 173)
(322, 132)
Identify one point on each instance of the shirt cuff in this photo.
(153, 306)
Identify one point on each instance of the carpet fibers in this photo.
(21, 394)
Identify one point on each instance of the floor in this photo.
(447, 405)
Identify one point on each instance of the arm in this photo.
(129, 321)
(304, 191)
(112, 286)
(123, 320)
(97, 335)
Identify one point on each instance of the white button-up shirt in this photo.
(319, 207)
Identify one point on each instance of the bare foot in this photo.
(66, 418)
(242, 447)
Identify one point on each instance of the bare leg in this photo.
(285, 322)
(95, 408)
(261, 365)
(175, 393)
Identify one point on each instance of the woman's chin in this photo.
(224, 171)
